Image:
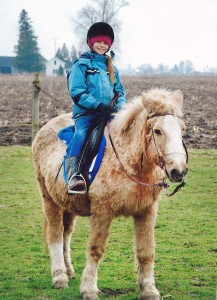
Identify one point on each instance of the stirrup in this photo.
(79, 180)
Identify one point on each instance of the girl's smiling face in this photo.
(100, 47)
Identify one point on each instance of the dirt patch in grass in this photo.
(117, 292)
(16, 93)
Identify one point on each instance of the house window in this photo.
(55, 71)
(55, 62)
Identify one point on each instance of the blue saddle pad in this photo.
(66, 135)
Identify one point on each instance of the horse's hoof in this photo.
(149, 292)
(60, 281)
(90, 296)
(154, 297)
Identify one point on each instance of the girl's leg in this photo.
(82, 127)
(77, 184)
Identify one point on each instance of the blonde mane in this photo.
(155, 101)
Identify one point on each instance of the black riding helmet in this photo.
(100, 29)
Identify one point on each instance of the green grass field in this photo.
(186, 232)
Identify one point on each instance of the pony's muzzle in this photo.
(177, 175)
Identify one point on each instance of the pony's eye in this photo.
(157, 131)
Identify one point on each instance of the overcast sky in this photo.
(153, 31)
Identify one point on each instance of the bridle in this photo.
(160, 184)
(161, 158)
(163, 184)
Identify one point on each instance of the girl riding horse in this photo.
(93, 81)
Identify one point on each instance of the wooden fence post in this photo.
(35, 106)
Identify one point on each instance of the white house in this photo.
(55, 67)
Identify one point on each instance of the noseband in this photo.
(161, 159)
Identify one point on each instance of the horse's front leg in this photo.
(145, 253)
(100, 224)
(54, 236)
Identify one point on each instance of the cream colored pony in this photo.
(149, 128)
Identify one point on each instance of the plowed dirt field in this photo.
(16, 94)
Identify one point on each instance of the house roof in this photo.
(42, 58)
(6, 60)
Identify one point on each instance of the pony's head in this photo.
(153, 120)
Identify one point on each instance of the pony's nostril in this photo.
(176, 175)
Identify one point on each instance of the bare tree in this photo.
(98, 11)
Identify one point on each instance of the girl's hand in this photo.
(104, 109)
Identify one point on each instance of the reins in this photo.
(162, 184)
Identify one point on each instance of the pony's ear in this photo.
(177, 99)
(148, 103)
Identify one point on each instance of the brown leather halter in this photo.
(162, 184)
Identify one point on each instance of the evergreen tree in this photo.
(63, 53)
(60, 71)
(74, 54)
(58, 54)
(28, 58)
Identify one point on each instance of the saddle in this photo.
(92, 151)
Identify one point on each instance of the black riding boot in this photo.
(76, 181)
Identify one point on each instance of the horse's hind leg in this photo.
(54, 236)
(69, 226)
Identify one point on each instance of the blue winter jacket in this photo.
(89, 84)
